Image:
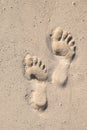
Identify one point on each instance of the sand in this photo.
(25, 27)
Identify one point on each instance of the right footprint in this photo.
(64, 46)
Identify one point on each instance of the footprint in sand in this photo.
(63, 46)
(35, 69)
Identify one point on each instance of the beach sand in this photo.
(25, 26)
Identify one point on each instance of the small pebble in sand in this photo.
(83, 20)
(64, 122)
(49, 20)
(45, 0)
(11, 7)
(4, 9)
(60, 104)
(73, 3)
(34, 25)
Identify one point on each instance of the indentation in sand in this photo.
(64, 46)
(36, 70)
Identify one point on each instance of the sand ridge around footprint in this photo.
(36, 71)
(64, 46)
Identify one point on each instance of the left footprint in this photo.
(35, 69)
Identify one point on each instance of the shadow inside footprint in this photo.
(64, 83)
(73, 56)
(32, 76)
(44, 107)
